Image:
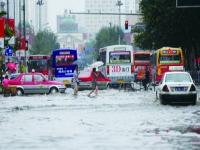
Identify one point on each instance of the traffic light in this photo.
(126, 24)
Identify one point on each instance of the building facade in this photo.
(94, 23)
(68, 32)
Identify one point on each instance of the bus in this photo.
(167, 59)
(141, 62)
(64, 62)
(39, 63)
(118, 63)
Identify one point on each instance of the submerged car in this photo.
(176, 87)
(85, 79)
(35, 83)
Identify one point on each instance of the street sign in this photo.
(187, 3)
(8, 51)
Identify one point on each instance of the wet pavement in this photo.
(114, 120)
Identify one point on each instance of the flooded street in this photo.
(114, 120)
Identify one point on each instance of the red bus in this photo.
(167, 59)
(40, 63)
(141, 61)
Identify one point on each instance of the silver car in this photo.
(176, 87)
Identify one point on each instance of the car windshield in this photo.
(178, 77)
(85, 73)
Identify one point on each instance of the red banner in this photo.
(2, 20)
(22, 43)
(11, 24)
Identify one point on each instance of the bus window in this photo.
(120, 57)
(142, 57)
(169, 59)
(102, 57)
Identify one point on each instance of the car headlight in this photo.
(61, 86)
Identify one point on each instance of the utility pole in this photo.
(40, 3)
(7, 9)
(119, 4)
(24, 31)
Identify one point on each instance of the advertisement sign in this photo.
(8, 51)
(120, 70)
(2, 27)
(11, 24)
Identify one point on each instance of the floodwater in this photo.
(114, 120)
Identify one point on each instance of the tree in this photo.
(108, 36)
(44, 42)
(166, 25)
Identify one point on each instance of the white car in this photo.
(176, 87)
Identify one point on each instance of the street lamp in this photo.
(40, 3)
(119, 4)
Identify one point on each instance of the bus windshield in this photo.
(142, 57)
(170, 59)
(120, 57)
(38, 65)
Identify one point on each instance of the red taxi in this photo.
(85, 79)
(32, 83)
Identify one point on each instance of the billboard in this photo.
(2, 22)
(187, 3)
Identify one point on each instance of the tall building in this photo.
(133, 8)
(68, 32)
(93, 23)
(35, 14)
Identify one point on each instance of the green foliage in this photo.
(108, 36)
(44, 42)
(8, 32)
(2, 13)
(167, 25)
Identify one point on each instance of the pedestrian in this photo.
(94, 82)
(145, 81)
(22, 68)
(75, 80)
(5, 83)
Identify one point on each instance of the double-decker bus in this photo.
(141, 62)
(39, 63)
(118, 63)
(167, 59)
(64, 64)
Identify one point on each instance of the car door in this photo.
(39, 84)
(27, 83)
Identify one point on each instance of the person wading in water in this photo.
(94, 82)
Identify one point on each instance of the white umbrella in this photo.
(97, 64)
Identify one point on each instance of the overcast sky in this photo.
(57, 7)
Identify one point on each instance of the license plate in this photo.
(120, 81)
(66, 82)
(179, 88)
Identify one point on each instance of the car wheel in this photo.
(108, 86)
(53, 90)
(19, 92)
(194, 102)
